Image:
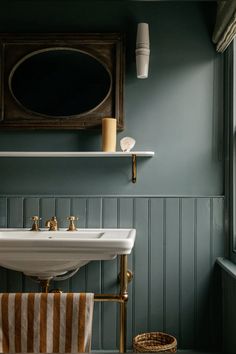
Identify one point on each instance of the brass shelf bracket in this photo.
(134, 168)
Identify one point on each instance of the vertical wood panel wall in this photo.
(178, 240)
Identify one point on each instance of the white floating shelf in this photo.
(75, 154)
(132, 154)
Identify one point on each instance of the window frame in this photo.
(230, 150)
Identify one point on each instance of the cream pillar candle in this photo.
(109, 134)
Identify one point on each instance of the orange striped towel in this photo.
(49, 323)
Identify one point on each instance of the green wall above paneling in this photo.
(177, 111)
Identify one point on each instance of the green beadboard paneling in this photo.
(187, 267)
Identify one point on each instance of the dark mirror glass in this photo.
(60, 82)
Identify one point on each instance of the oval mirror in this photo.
(60, 82)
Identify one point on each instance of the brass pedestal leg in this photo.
(123, 304)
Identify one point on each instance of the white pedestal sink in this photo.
(46, 254)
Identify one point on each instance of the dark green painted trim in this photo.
(228, 266)
(230, 150)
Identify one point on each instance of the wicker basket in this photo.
(154, 342)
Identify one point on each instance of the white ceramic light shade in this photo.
(142, 50)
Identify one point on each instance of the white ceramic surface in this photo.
(74, 154)
(47, 254)
(142, 50)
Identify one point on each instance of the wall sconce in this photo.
(142, 50)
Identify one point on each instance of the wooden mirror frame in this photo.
(106, 48)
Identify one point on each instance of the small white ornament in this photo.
(127, 144)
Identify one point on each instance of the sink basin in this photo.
(46, 254)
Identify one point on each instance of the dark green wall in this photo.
(177, 111)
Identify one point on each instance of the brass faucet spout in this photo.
(52, 224)
(47, 223)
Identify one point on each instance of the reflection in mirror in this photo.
(59, 82)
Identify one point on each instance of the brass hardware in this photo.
(123, 305)
(44, 283)
(134, 168)
(56, 291)
(35, 225)
(120, 298)
(107, 298)
(129, 276)
(52, 224)
(72, 226)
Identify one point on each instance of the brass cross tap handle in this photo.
(35, 225)
(72, 220)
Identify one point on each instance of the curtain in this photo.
(225, 27)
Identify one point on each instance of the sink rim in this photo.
(19, 253)
(106, 243)
(44, 233)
